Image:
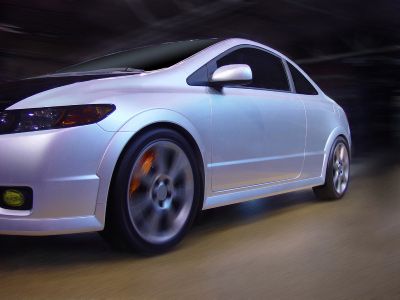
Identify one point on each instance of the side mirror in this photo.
(231, 75)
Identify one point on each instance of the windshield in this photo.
(145, 58)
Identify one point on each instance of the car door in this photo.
(258, 130)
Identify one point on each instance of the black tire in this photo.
(328, 191)
(120, 229)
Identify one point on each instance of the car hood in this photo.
(15, 91)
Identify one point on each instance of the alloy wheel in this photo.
(160, 192)
(340, 168)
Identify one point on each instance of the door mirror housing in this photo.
(236, 74)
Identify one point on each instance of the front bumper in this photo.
(46, 226)
(61, 167)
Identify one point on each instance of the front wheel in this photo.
(155, 195)
(337, 172)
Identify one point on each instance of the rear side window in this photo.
(301, 84)
(268, 70)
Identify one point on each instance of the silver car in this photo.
(136, 143)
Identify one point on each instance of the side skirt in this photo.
(237, 196)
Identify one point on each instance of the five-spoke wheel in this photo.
(160, 193)
(340, 168)
(155, 194)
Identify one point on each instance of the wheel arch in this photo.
(127, 135)
(167, 125)
(337, 132)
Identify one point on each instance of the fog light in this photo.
(16, 197)
(13, 198)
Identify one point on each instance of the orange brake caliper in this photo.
(145, 165)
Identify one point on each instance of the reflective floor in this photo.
(288, 246)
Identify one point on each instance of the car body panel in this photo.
(67, 183)
(250, 147)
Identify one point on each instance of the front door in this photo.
(258, 130)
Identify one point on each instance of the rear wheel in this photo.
(155, 193)
(337, 172)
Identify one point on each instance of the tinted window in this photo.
(268, 70)
(144, 58)
(301, 84)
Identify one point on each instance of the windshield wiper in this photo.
(91, 72)
(108, 70)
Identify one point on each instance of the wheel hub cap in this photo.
(161, 192)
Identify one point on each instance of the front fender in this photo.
(124, 135)
(162, 115)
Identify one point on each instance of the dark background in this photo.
(283, 247)
(350, 48)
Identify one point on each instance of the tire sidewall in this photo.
(329, 170)
(120, 185)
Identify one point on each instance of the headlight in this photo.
(21, 120)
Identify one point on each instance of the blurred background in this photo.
(350, 48)
(284, 247)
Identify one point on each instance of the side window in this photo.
(268, 70)
(301, 84)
